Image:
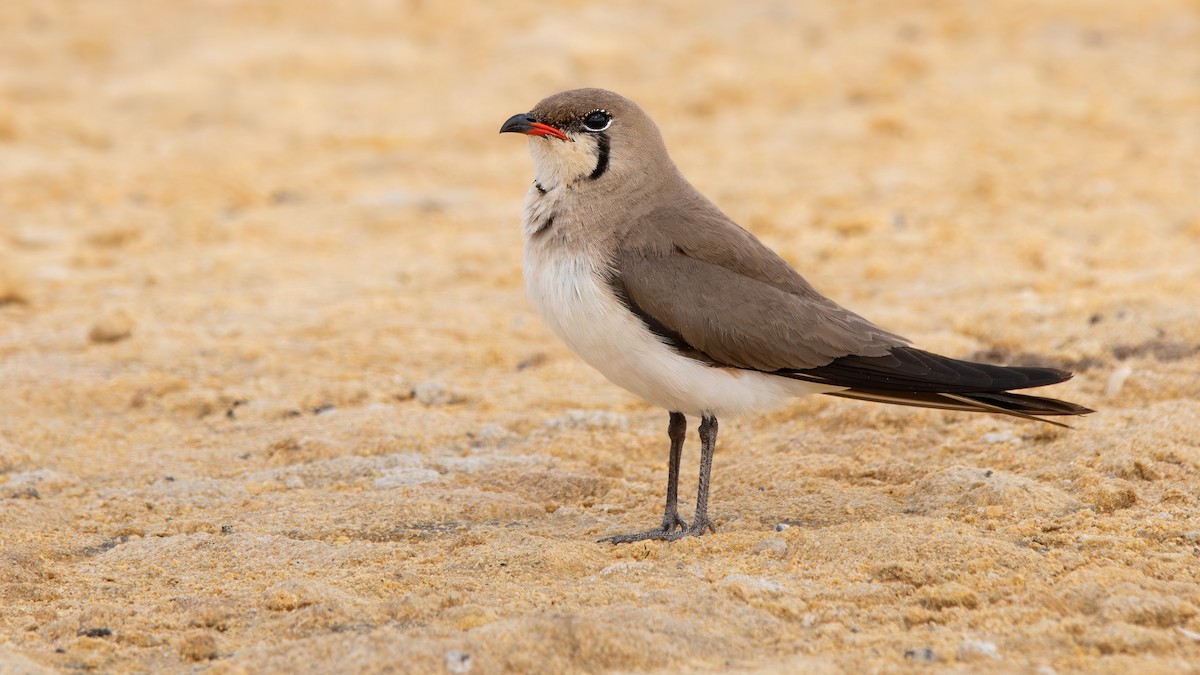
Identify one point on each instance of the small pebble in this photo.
(1116, 381)
(458, 661)
(113, 326)
(1000, 437)
(532, 361)
(492, 432)
(924, 655)
(976, 650)
(433, 392)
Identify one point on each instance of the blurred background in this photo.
(221, 221)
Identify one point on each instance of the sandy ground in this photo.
(272, 399)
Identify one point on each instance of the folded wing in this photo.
(728, 319)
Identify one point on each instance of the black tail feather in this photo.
(910, 376)
(1005, 403)
(1032, 405)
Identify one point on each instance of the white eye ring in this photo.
(597, 120)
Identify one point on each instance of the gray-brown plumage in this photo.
(654, 286)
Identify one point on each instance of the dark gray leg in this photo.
(677, 431)
(708, 444)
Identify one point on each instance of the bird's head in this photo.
(589, 137)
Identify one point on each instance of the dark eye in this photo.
(597, 120)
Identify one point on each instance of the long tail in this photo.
(1005, 403)
(909, 376)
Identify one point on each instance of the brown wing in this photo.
(731, 319)
(709, 288)
(725, 318)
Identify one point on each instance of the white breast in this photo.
(574, 300)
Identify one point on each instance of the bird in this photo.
(651, 284)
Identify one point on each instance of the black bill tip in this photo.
(527, 124)
(518, 124)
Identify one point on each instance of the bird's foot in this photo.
(673, 528)
(671, 522)
(701, 525)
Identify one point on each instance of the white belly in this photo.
(582, 310)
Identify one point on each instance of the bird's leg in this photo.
(708, 444)
(677, 431)
(671, 522)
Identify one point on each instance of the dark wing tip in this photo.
(1032, 405)
(916, 370)
(1062, 375)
